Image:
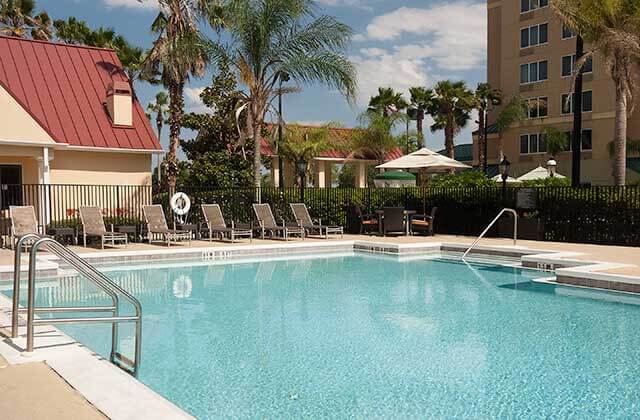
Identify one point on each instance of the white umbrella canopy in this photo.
(538, 173)
(510, 180)
(424, 159)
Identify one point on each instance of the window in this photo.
(538, 107)
(534, 35)
(533, 143)
(567, 104)
(569, 65)
(586, 142)
(533, 72)
(567, 33)
(528, 5)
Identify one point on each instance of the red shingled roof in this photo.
(64, 88)
(342, 133)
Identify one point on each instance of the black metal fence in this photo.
(603, 215)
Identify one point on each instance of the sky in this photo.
(397, 43)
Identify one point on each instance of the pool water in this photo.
(372, 337)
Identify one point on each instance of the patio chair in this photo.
(267, 223)
(393, 220)
(215, 224)
(423, 222)
(23, 222)
(93, 226)
(157, 227)
(369, 222)
(301, 213)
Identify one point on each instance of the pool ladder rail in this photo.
(113, 290)
(484, 232)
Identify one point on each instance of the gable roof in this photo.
(64, 88)
(342, 134)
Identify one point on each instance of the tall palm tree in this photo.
(612, 29)
(387, 101)
(450, 108)
(484, 96)
(271, 37)
(18, 18)
(514, 111)
(421, 99)
(374, 137)
(160, 108)
(177, 54)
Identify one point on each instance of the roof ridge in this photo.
(60, 44)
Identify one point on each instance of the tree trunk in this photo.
(176, 109)
(159, 124)
(620, 139)
(481, 138)
(419, 128)
(448, 137)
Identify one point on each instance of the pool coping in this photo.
(128, 398)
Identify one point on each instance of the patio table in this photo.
(407, 219)
(130, 230)
(65, 233)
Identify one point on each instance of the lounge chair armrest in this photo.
(112, 228)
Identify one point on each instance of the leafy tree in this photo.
(484, 96)
(387, 101)
(177, 54)
(557, 141)
(18, 19)
(612, 29)
(270, 37)
(347, 176)
(374, 138)
(216, 156)
(450, 108)
(160, 108)
(515, 111)
(421, 100)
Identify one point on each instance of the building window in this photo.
(533, 143)
(586, 141)
(533, 72)
(567, 102)
(538, 107)
(534, 35)
(567, 33)
(529, 5)
(569, 65)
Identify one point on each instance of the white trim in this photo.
(528, 64)
(531, 10)
(7, 142)
(571, 103)
(114, 150)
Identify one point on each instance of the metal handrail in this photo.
(109, 287)
(515, 229)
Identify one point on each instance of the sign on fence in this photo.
(526, 199)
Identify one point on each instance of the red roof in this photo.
(341, 133)
(64, 88)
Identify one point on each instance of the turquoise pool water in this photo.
(369, 337)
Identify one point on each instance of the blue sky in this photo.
(398, 43)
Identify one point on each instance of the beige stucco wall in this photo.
(17, 124)
(100, 168)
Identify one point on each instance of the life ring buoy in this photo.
(180, 203)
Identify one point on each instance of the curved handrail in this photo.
(16, 281)
(484, 232)
(108, 286)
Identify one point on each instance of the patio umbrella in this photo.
(395, 179)
(424, 159)
(510, 180)
(538, 173)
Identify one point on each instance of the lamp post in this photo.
(301, 165)
(505, 165)
(551, 167)
(282, 77)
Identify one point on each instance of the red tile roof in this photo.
(64, 88)
(341, 133)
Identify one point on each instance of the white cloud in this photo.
(192, 100)
(133, 4)
(348, 3)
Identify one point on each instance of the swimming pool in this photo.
(370, 336)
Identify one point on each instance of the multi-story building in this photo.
(532, 56)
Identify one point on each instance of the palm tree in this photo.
(177, 54)
(611, 28)
(305, 143)
(387, 101)
(374, 138)
(160, 108)
(484, 96)
(421, 99)
(18, 18)
(272, 37)
(450, 108)
(515, 111)
(556, 141)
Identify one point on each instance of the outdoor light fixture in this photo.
(551, 167)
(301, 164)
(504, 169)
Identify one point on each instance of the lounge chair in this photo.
(23, 222)
(393, 220)
(157, 227)
(267, 223)
(215, 224)
(93, 225)
(301, 213)
(423, 222)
